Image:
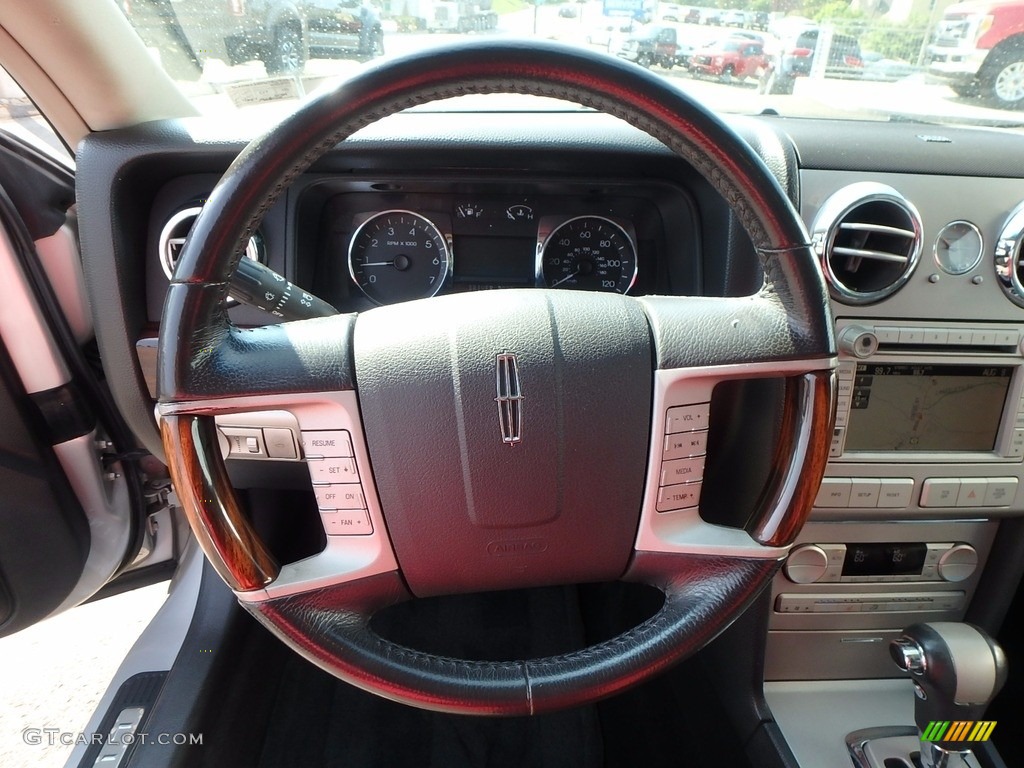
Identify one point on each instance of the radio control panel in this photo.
(926, 392)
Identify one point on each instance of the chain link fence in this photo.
(889, 51)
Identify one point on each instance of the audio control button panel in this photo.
(682, 464)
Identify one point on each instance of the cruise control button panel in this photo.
(336, 484)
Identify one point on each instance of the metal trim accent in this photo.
(683, 530)
(547, 229)
(346, 558)
(1007, 255)
(857, 741)
(829, 221)
(442, 238)
(510, 398)
(166, 243)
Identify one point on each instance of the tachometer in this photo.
(588, 253)
(398, 256)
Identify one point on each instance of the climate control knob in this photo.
(806, 564)
(958, 563)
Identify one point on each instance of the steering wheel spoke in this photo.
(332, 447)
(671, 521)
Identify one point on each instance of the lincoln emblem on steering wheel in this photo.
(509, 399)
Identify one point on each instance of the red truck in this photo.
(978, 50)
(729, 59)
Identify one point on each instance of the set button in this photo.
(333, 470)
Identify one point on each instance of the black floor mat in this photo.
(318, 721)
(273, 709)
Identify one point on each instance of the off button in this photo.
(339, 497)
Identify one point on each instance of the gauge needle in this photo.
(567, 277)
(379, 263)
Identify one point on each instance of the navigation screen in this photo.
(926, 407)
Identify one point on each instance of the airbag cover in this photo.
(468, 511)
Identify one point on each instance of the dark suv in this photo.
(282, 34)
(795, 58)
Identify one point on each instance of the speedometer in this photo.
(398, 256)
(588, 253)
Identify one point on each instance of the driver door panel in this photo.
(72, 507)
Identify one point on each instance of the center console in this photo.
(926, 454)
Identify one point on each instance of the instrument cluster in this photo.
(401, 247)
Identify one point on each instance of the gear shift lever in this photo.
(957, 670)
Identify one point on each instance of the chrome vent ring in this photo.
(175, 232)
(1009, 268)
(868, 238)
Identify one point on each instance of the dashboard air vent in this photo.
(174, 232)
(1009, 266)
(868, 237)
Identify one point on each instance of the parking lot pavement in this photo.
(53, 674)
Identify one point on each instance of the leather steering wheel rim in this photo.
(207, 365)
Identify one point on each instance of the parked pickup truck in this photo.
(729, 59)
(659, 44)
(282, 34)
(978, 50)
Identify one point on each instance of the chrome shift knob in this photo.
(957, 670)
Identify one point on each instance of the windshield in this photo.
(912, 61)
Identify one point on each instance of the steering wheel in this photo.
(506, 439)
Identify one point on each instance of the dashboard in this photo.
(370, 243)
(918, 232)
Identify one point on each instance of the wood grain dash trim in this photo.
(800, 459)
